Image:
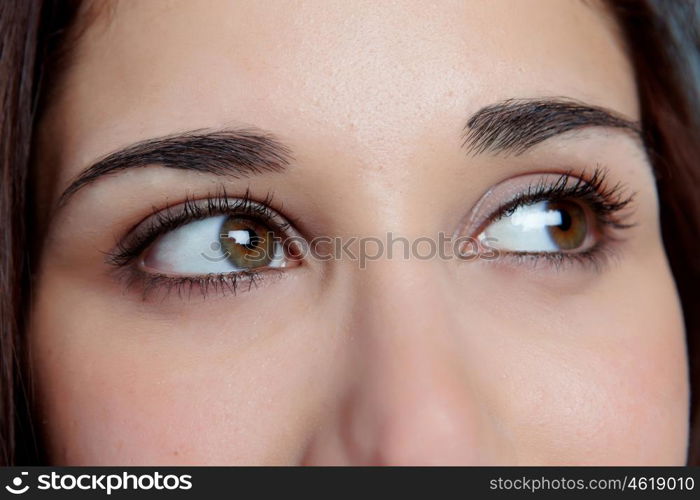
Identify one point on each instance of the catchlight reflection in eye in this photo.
(545, 226)
(219, 244)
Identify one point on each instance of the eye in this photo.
(554, 217)
(543, 226)
(217, 245)
(209, 244)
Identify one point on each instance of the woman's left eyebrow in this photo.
(515, 125)
(236, 153)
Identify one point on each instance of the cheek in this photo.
(596, 377)
(121, 389)
(602, 381)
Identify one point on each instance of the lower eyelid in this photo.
(158, 287)
(596, 260)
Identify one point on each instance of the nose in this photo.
(409, 396)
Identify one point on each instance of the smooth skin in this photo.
(405, 361)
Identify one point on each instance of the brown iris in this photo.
(571, 232)
(247, 243)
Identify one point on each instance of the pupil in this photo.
(572, 229)
(246, 243)
(565, 224)
(253, 239)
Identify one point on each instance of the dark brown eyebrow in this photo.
(235, 153)
(516, 125)
(511, 126)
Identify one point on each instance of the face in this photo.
(172, 324)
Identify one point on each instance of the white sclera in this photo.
(195, 249)
(525, 230)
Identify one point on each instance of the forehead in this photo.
(374, 76)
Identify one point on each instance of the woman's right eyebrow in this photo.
(237, 153)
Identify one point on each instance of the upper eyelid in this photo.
(610, 193)
(547, 194)
(210, 200)
(174, 216)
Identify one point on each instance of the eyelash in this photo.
(607, 202)
(172, 217)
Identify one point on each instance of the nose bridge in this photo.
(401, 315)
(410, 399)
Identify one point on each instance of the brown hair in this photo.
(660, 43)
